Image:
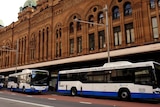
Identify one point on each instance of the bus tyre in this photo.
(124, 94)
(73, 91)
(24, 90)
(11, 89)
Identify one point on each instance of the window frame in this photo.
(117, 34)
(155, 27)
(129, 32)
(91, 42)
(101, 39)
(115, 12)
(79, 44)
(127, 9)
(71, 45)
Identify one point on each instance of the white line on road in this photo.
(29, 96)
(54, 95)
(85, 102)
(13, 94)
(24, 102)
(51, 99)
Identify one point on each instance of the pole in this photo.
(107, 34)
(106, 25)
(17, 49)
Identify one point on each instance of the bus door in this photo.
(86, 81)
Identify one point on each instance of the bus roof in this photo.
(25, 71)
(111, 66)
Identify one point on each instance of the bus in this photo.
(120, 79)
(2, 81)
(29, 80)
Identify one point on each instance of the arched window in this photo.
(100, 17)
(115, 12)
(58, 45)
(47, 41)
(90, 19)
(152, 4)
(127, 9)
(60, 32)
(43, 42)
(79, 26)
(32, 47)
(39, 44)
(57, 33)
(47, 31)
(71, 27)
(159, 3)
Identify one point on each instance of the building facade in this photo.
(49, 37)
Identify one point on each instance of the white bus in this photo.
(2, 80)
(29, 80)
(121, 79)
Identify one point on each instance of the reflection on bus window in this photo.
(143, 76)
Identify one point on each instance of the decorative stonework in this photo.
(51, 13)
(70, 3)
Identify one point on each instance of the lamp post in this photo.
(99, 24)
(5, 48)
(17, 48)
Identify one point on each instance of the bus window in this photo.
(143, 76)
(157, 71)
(99, 76)
(14, 79)
(63, 77)
(83, 76)
(122, 75)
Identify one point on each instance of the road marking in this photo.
(13, 94)
(54, 95)
(24, 102)
(29, 96)
(51, 99)
(85, 102)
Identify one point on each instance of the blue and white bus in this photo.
(29, 80)
(121, 79)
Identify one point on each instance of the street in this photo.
(15, 99)
(8, 99)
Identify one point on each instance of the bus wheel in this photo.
(124, 94)
(24, 90)
(73, 91)
(11, 89)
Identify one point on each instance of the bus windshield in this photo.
(2, 80)
(39, 78)
(157, 72)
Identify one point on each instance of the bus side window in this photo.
(108, 76)
(14, 79)
(122, 75)
(143, 76)
(63, 77)
(89, 77)
(83, 76)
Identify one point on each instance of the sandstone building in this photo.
(48, 37)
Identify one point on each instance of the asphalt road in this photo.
(17, 100)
